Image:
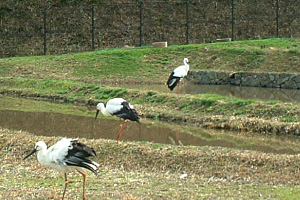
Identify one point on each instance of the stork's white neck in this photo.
(42, 154)
(103, 109)
(185, 61)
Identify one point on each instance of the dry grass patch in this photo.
(149, 171)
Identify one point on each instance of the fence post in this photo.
(45, 31)
(277, 18)
(233, 20)
(93, 27)
(141, 23)
(187, 20)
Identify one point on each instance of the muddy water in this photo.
(55, 124)
(265, 94)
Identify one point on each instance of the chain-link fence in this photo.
(74, 29)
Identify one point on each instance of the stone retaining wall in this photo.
(272, 80)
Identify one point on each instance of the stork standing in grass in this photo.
(177, 75)
(118, 107)
(65, 156)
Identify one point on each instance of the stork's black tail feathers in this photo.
(77, 156)
(172, 81)
(135, 115)
(128, 113)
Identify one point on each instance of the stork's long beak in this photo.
(32, 152)
(96, 114)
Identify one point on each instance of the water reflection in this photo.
(265, 94)
(55, 124)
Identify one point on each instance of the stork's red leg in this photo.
(121, 129)
(66, 185)
(120, 133)
(83, 188)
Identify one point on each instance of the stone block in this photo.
(160, 44)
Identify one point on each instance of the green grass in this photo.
(154, 102)
(154, 64)
(8, 103)
(289, 119)
(239, 102)
(288, 193)
(46, 86)
(106, 93)
(72, 89)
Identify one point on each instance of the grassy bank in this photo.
(154, 64)
(148, 171)
(206, 110)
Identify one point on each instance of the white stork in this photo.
(65, 156)
(178, 74)
(118, 107)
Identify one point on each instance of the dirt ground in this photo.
(150, 171)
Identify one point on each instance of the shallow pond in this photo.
(69, 125)
(265, 94)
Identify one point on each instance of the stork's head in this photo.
(99, 107)
(38, 147)
(186, 61)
